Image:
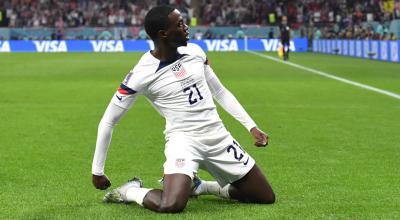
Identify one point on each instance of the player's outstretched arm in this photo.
(230, 104)
(227, 100)
(110, 118)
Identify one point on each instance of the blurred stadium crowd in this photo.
(313, 18)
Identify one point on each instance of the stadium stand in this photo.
(123, 19)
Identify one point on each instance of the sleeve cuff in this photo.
(251, 125)
(97, 171)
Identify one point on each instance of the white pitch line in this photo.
(360, 85)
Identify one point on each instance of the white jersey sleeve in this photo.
(110, 118)
(227, 100)
(136, 81)
(134, 84)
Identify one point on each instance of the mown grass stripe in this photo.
(328, 75)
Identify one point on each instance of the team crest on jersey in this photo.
(178, 71)
(180, 162)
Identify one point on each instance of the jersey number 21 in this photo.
(194, 94)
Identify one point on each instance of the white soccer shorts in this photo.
(219, 154)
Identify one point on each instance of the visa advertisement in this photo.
(297, 45)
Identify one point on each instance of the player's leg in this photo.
(172, 199)
(286, 49)
(237, 173)
(179, 168)
(253, 187)
(174, 196)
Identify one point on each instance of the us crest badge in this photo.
(178, 71)
(180, 162)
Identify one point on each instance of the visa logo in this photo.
(274, 44)
(107, 46)
(50, 46)
(4, 46)
(222, 45)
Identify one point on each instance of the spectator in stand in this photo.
(317, 34)
(392, 36)
(198, 35)
(142, 35)
(271, 34)
(240, 34)
(304, 14)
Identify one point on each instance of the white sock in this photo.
(213, 188)
(135, 194)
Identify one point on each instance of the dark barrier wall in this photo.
(367, 49)
(297, 45)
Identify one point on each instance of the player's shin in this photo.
(212, 188)
(135, 194)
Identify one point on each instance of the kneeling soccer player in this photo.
(176, 78)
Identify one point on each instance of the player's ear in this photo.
(162, 34)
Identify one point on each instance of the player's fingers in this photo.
(261, 144)
(262, 139)
(103, 187)
(108, 184)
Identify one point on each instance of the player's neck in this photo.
(164, 53)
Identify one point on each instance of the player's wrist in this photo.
(253, 128)
(97, 173)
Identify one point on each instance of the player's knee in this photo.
(268, 199)
(172, 207)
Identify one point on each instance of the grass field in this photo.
(334, 151)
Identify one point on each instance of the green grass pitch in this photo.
(334, 151)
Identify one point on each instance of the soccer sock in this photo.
(135, 194)
(213, 188)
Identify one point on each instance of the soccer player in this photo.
(285, 37)
(176, 78)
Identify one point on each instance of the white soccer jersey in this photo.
(182, 91)
(178, 90)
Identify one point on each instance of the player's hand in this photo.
(261, 138)
(101, 182)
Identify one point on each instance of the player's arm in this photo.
(230, 104)
(118, 106)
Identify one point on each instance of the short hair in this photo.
(157, 19)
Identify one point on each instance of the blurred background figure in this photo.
(285, 37)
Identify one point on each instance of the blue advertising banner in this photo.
(330, 46)
(394, 51)
(374, 49)
(352, 45)
(339, 47)
(384, 52)
(296, 45)
(359, 48)
(367, 49)
(345, 46)
(365, 44)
